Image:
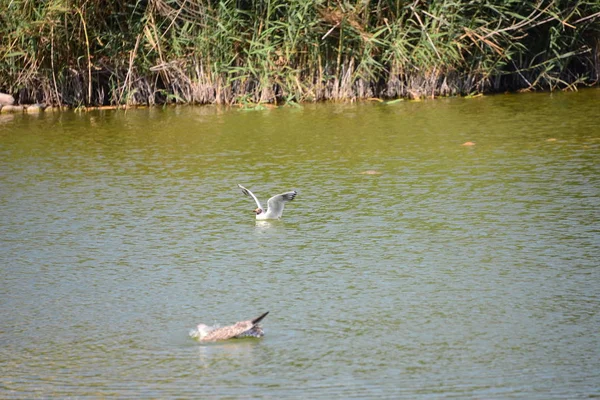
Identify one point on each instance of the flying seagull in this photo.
(274, 204)
(250, 328)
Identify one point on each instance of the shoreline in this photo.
(41, 108)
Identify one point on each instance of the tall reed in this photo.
(91, 52)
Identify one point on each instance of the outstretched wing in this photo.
(249, 193)
(275, 203)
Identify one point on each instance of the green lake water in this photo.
(449, 271)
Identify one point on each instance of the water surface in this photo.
(453, 272)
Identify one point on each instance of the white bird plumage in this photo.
(274, 204)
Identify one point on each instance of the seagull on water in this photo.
(274, 204)
(249, 328)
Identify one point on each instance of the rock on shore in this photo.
(6, 99)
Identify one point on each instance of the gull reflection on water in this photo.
(271, 226)
(235, 352)
(267, 224)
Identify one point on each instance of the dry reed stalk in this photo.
(127, 82)
(89, 58)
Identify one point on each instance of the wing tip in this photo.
(257, 320)
(244, 190)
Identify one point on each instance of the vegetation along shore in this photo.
(143, 52)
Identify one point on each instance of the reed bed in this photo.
(95, 52)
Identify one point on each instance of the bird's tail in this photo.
(257, 320)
